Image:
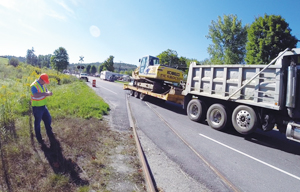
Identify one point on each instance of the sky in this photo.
(125, 29)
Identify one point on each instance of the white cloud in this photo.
(66, 7)
(56, 15)
(2, 24)
(9, 4)
(29, 27)
(75, 2)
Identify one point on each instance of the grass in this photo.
(82, 155)
(76, 99)
(122, 82)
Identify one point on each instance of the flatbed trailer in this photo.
(143, 93)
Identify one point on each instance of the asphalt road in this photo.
(211, 160)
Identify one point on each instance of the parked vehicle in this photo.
(84, 76)
(248, 96)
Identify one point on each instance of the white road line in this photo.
(250, 157)
(216, 171)
(108, 89)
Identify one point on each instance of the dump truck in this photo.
(245, 97)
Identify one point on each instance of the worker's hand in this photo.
(49, 93)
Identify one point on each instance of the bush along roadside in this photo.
(80, 158)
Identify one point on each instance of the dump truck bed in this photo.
(221, 81)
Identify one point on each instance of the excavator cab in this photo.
(147, 61)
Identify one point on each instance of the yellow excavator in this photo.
(152, 76)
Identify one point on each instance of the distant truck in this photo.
(109, 76)
(246, 96)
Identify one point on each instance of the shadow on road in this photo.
(177, 108)
(276, 140)
(60, 164)
(273, 139)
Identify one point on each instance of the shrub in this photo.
(14, 61)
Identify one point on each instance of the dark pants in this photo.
(42, 113)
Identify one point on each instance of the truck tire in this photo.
(143, 97)
(268, 122)
(136, 94)
(244, 119)
(216, 117)
(196, 110)
(131, 92)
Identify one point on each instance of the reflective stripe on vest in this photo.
(38, 101)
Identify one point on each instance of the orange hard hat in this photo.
(45, 78)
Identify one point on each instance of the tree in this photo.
(109, 64)
(31, 58)
(46, 61)
(101, 68)
(129, 72)
(267, 36)
(88, 69)
(169, 57)
(60, 59)
(229, 39)
(14, 61)
(93, 69)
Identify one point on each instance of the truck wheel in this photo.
(143, 97)
(244, 119)
(136, 94)
(268, 122)
(196, 110)
(217, 117)
(131, 92)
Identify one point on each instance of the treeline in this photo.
(92, 68)
(38, 61)
(59, 61)
(107, 65)
(21, 59)
(117, 66)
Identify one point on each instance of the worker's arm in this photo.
(48, 93)
(35, 92)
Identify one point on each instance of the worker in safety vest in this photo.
(39, 94)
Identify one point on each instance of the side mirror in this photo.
(139, 60)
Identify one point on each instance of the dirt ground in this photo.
(85, 155)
